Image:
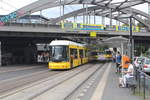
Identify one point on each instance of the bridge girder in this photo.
(81, 11)
(120, 6)
(132, 11)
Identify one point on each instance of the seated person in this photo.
(127, 74)
(125, 59)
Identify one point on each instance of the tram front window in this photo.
(108, 52)
(59, 53)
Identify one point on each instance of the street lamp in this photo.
(130, 30)
(131, 38)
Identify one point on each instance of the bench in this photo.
(131, 83)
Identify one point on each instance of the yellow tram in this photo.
(66, 54)
(108, 55)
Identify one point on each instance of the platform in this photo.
(112, 90)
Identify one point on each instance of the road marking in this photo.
(81, 94)
(78, 99)
(84, 90)
(90, 84)
(101, 86)
(88, 87)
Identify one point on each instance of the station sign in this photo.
(93, 34)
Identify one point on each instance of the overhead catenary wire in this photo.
(74, 10)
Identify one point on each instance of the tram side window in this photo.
(81, 53)
(73, 52)
(86, 53)
(50, 51)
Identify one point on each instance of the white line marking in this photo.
(90, 84)
(101, 86)
(78, 99)
(81, 94)
(93, 79)
(84, 90)
(88, 87)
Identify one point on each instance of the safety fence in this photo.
(143, 84)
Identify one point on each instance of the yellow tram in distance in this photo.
(65, 54)
(108, 55)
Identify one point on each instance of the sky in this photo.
(7, 6)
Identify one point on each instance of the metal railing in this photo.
(143, 84)
(45, 24)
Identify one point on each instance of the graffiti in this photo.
(10, 16)
(2, 24)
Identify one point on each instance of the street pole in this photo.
(60, 11)
(63, 13)
(84, 14)
(94, 17)
(110, 17)
(131, 38)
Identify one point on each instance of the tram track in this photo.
(15, 69)
(19, 75)
(46, 84)
(83, 83)
(86, 86)
(73, 75)
(59, 89)
(12, 84)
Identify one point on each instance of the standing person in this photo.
(114, 57)
(118, 62)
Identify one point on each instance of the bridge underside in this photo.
(22, 49)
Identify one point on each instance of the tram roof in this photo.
(65, 42)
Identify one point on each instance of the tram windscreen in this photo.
(59, 53)
(108, 52)
(93, 53)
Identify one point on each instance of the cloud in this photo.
(8, 6)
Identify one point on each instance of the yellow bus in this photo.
(66, 54)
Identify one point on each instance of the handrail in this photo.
(144, 74)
